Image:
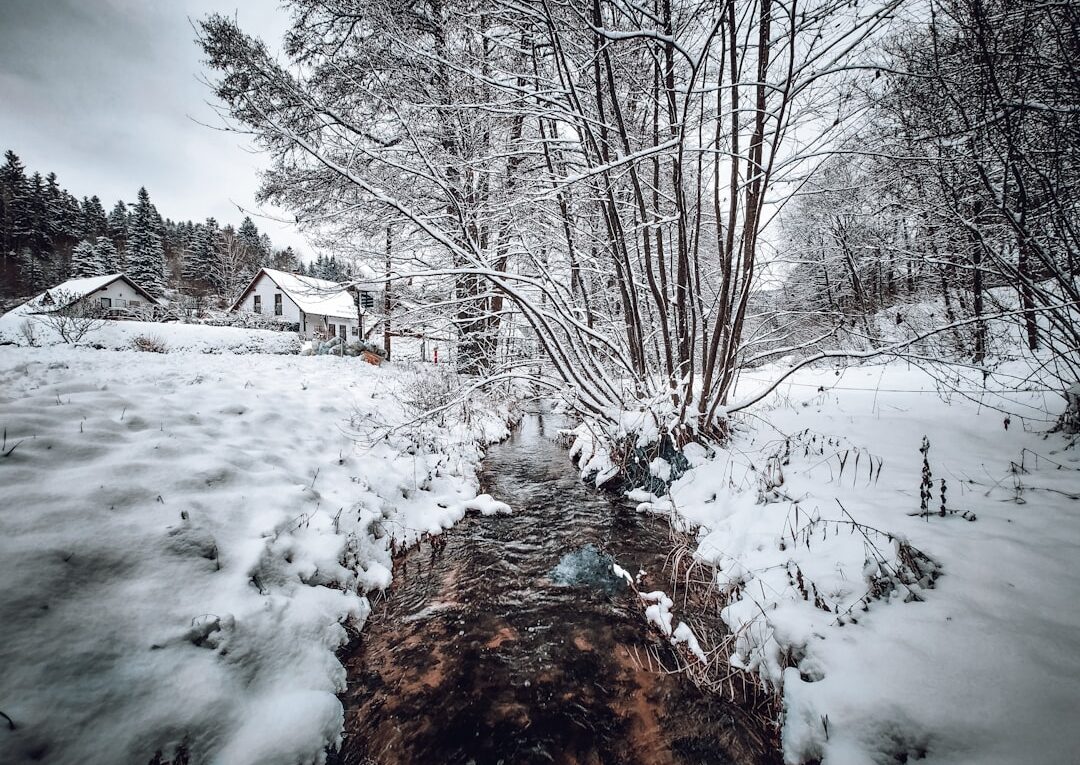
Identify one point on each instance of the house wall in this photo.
(116, 292)
(266, 289)
(317, 325)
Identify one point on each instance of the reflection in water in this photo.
(517, 644)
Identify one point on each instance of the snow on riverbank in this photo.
(897, 637)
(185, 537)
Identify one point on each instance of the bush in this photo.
(427, 390)
(29, 332)
(149, 344)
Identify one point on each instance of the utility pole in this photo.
(386, 299)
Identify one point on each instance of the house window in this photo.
(356, 331)
(258, 304)
(277, 304)
(333, 330)
(105, 302)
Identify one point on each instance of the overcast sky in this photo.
(106, 94)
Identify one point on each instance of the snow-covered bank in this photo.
(184, 539)
(897, 637)
(19, 329)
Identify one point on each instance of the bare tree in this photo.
(606, 167)
(72, 318)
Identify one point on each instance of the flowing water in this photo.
(515, 643)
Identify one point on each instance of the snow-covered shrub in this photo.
(430, 390)
(29, 332)
(149, 344)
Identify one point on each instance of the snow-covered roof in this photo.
(73, 290)
(313, 296)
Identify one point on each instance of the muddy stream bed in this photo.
(515, 643)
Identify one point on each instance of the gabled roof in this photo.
(74, 290)
(311, 295)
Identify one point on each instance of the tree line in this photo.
(47, 236)
(963, 179)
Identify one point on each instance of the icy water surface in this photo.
(516, 643)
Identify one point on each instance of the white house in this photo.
(319, 308)
(114, 294)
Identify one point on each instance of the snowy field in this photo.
(19, 329)
(185, 539)
(895, 637)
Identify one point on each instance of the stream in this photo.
(515, 643)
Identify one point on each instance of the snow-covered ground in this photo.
(19, 329)
(896, 637)
(185, 539)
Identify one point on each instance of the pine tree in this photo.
(248, 234)
(145, 253)
(93, 222)
(200, 263)
(86, 261)
(286, 260)
(36, 256)
(118, 228)
(14, 220)
(107, 255)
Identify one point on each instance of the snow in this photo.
(486, 505)
(311, 295)
(659, 612)
(118, 335)
(974, 656)
(186, 539)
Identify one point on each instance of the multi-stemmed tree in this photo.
(605, 169)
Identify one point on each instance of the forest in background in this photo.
(47, 235)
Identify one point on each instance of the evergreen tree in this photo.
(248, 235)
(107, 255)
(145, 253)
(86, 261)
(286, 260)
(200, 262)
(93, 222)
(14, 220)
(62, 221)
(118, 227)
(36, 256)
